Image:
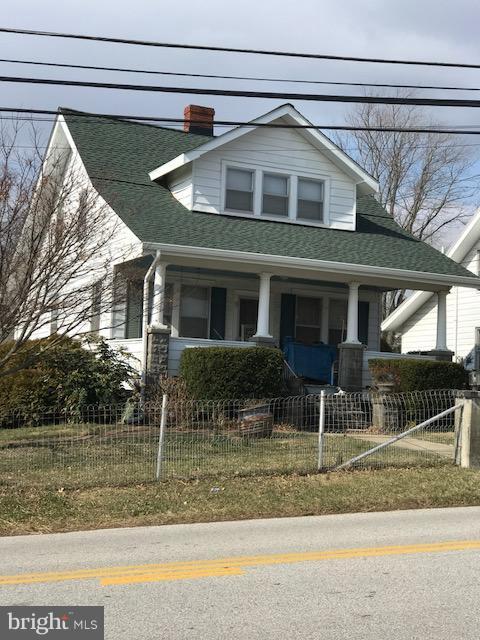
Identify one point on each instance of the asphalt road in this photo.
(315, 577)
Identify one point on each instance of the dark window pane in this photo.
(307, 335)
(239, 200)
(194, 327)
(308, 210)
(309, 311)
(275, 205)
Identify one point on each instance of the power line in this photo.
(265, 52)
(228, 77)
(112, 119)
(236, 93)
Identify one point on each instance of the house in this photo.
(416, 318)
(267, 234)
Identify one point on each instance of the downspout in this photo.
(146, 300)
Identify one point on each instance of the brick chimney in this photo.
(202, 119)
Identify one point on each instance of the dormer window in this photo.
(275, 195)
(239, 192)
(310, 200)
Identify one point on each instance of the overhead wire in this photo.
(235, 77)
(315, 97)
(224, 49)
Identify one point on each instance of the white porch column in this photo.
(263, 319)
(352, 314)
(441, 321)
(159, 294)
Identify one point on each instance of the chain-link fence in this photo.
(198, 439)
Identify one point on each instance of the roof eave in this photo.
(433, 281)
(287, 111)
(459, 250)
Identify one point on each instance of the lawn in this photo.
(79, 456)
(41, 509)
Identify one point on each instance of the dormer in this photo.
(279, 168)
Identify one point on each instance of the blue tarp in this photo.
(310, 361)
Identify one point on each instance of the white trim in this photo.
(459, 251)
(292, 116)
(343, 269)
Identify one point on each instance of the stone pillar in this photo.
(157, 352)
(263, 319)
(467, 430)
(350, 366)
(388, 415)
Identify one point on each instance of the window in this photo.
(194, 312)
(337, 322)
(275, 195)
(310, 200)
(239, 194)
(168, 305)
(308, 320)
(134, 311)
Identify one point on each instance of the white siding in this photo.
(463, 315)
(134, 347)
(117, 244)
(285, 150)
(180, 184)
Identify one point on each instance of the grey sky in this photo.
(409, 29)
(422, 29)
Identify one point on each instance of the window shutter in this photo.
(218, 307)
(287, 317)
(363, 316)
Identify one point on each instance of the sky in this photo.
(415, 29)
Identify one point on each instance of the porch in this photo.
(186, 303)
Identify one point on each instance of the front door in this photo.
(247, 318)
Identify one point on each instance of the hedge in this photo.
(418, 375)
(60, 372)
(222, 373)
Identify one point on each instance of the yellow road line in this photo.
(226, 566)
(164, 576)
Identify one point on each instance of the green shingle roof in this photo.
(118, 156)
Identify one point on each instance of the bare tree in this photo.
(57, 240)
(424, 178)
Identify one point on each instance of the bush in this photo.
(419, 375)
(62, 373)
(222, 373)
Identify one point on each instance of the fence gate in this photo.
(433, 438)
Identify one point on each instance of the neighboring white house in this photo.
(265, 234)
(416, 318)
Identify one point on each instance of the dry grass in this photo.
(34, 510)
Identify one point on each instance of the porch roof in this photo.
(119, 154)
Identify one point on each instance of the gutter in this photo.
(146, 287)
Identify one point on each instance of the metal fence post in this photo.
(321, 431)
(161, 434)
